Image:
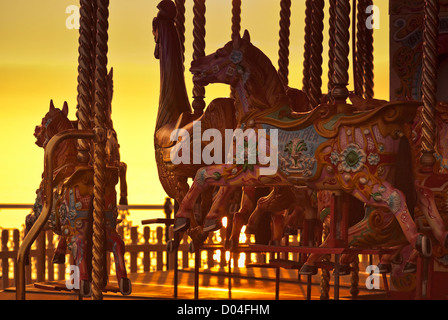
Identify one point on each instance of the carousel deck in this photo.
(247, 284)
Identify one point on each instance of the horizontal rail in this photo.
(120, 207)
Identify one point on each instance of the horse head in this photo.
(53, 122)
(247, 69)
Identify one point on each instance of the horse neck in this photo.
(66, 152)
(173, 99)
(259, 98)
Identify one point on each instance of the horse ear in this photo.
(51, 105)
(246, 35)
(65, 108)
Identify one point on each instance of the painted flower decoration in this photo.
(373, 159)
(352, 158)
(334, 158)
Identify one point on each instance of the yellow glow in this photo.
(224, 222)
(39, 59)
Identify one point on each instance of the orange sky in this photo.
(38, 62)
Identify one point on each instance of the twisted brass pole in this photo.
(317, 37)
(85, 76)
(331, 31)
(283, 53)
(198, 51)
(368, 56)
(236, 18)
(341, 51)
(98, 253)
(358, 57)
(429, 83)
(325, 274)
(307, 48)
(180, 24)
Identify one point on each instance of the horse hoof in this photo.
(191, 247)
(181, 224)
(384, 268)
(423, 245)
(343, 270)
(172, 246)
(274, 243)
(308, 270)
(125, 286)
(85, 289)
(59, 258)
(211, 225)
(410, 267)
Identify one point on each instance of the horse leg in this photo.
(278, 200)
(218, 209)
(115, 244)
(278, 225)
(427, 204)
(387, 196)
(226, 175)
(241, 217)
(80, 251)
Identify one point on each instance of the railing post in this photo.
(146, 254)
(5, 262)
(40, 257)
(134, 240)
(16, 240)
(50, 249)
(159, 231)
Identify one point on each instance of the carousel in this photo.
(345, 173)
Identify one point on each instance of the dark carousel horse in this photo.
(72, 212)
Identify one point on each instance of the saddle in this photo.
(327, 120)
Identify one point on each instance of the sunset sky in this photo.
(38, 62)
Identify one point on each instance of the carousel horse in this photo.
(430, 212)
(342, 150)
(175, 115)
(72, 212)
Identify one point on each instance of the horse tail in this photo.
(404, 174)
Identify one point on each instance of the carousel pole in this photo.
(180, 24)
(341, 51)
(331, 31)
(85, 76)
(368, 55)
(316, 40)
(307, 49)
(285, 22)
(236, 18)
(98, 254)
(198, 51)
(358, 47)
(429, 83)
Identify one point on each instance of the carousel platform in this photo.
(246, 284)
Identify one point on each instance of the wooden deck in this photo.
(247, 284)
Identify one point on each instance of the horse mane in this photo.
(173, 98)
